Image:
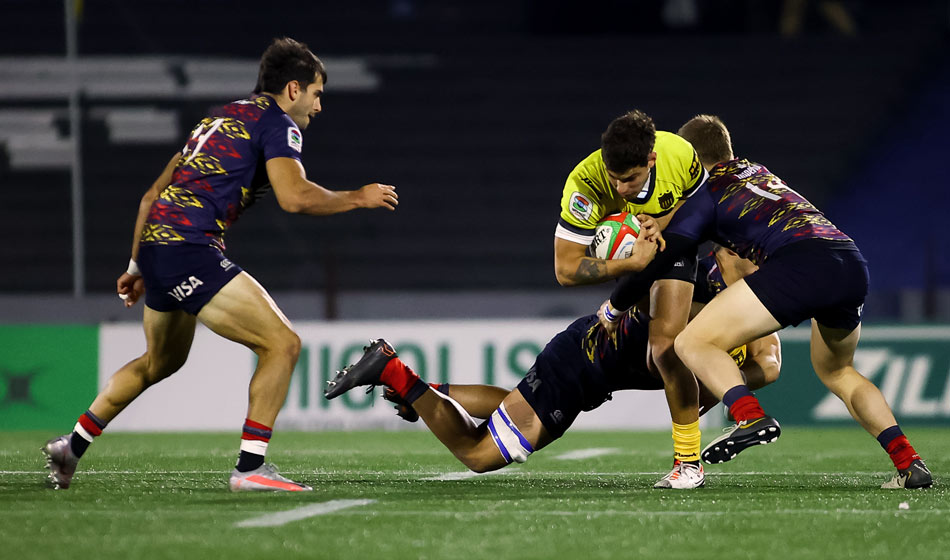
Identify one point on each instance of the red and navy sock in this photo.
(441, 387)
(254, 440)
(88, 427)
(742, 404)
(403, 380)
(898, 447)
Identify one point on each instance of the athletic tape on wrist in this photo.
(611, 314)
(133, 269)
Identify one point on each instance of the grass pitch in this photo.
(813, 494)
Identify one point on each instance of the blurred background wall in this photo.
(476, 111)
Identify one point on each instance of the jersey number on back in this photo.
(202, 137)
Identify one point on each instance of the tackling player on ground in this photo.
(234, 156)
(577, 371)
(642, 171)
(808, 269)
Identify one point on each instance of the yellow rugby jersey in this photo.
(588, 195)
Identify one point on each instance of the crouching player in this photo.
(577, 371)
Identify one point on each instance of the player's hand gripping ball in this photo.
(615, 236)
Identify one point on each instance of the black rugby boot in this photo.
(366, 371)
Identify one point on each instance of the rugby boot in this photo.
(404, 410)
(757, 431)
(60, 461)
(917, 475)
(366, 371)
(684, 476)
(264, 478)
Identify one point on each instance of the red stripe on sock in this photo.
(399, 376)
(252, 424)
(89, 425)
(746, 408)
(248, 423)
(902, 452)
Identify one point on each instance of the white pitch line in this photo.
(465, 475)
(469, 474)
(587, 453)
(284, 517)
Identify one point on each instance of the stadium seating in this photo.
(477, 126)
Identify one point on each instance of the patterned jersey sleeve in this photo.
(696, 218)
(279, 137)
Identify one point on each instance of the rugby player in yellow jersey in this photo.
(643, 171)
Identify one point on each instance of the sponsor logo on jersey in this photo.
(532, 379)
(588, 182)
(581, 206)
(226, 264)
(557, 416)
(186, 288)
(666, 200)
(294, 139)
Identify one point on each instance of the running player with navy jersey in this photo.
(808, 269)
(576, 371)
(643, 171)
(233, 157)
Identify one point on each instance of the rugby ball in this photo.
(614, 236)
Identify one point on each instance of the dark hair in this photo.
(628, 141)
(286, 60)
(710, 137)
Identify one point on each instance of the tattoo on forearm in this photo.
(591, 270)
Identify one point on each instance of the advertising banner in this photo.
(50, 374)
(47, 375)
(911, 366)
(210, 392)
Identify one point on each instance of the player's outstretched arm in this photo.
(573, 267)
(298, 195)
(130, 286)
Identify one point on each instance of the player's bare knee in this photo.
(682, 345)
(284, 345)
(159, 366)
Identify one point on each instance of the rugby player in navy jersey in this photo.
(577, 371)
(233, 157)
(808, 269)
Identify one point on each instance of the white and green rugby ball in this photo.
(615, 236)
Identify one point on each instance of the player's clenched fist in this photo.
(378, 195)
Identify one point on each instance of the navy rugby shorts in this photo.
(813, 278)
(183, 277)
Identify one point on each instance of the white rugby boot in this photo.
(264, 479)
(684, 476)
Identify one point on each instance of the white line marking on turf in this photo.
(469, 474)
(465, 475)
(284, 517)
(587, 453)
(528, 513)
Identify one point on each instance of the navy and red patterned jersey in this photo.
(750, 210)
(221, 172)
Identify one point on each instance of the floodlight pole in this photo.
(75, 136)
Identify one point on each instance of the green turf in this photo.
(813, 494)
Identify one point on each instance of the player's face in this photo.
(629, 183)
(307, 104)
